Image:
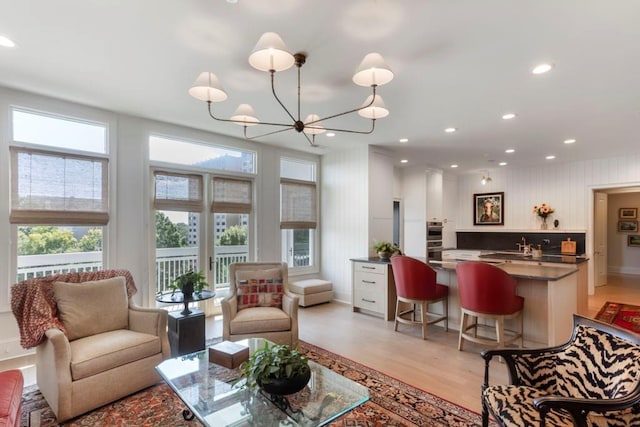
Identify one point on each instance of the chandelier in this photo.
(270, 54)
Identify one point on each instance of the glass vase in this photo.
(543, 226)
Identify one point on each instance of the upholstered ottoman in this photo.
(312, 291)
(11, 384)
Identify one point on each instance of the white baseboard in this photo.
(623, 269)
(12, 348)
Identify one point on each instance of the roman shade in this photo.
(231, 195)
(297, 204)
(58, 188)
(178, 192)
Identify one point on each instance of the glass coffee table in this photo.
(207, 391)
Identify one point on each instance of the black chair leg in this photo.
(485, 416)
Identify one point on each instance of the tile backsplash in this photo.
(550, 242)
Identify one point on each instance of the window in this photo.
(231, 208)
(178, 202)
(201, 155)
(59, 193)
(298, 213)
(187, 233)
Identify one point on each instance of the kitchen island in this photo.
(551, 289)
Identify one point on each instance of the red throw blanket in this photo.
(34, 306)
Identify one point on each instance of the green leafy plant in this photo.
(196, 278)
(386, 247)
(272, 362)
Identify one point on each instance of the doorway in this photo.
(610, 253)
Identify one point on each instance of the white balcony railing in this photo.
(170, 262)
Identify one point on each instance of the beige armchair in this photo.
(94, 345)
(259, 304)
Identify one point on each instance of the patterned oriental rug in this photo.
(624, 315)
(392, 403)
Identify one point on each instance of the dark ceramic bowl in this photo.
(284, 386)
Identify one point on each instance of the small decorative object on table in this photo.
(543, 211)
(385, 249)
(276, 369)
(228, 354)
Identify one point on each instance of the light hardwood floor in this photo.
(434, 365)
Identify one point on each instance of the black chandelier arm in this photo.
(361, 132)
(273, 90)
(242, 122)
(311, 141)
(373, 98)
(289, 127)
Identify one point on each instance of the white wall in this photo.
(130, 231)
(344, 215)
(566, 187)
(620, 257)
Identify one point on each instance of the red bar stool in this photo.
(416, 285)
(487, 292)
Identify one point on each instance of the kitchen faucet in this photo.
(526, 248)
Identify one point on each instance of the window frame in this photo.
(314, 246)
(67, 112)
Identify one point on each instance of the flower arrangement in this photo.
(543, 211)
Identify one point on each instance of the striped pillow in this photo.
(259, 288)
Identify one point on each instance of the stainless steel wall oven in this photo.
(434, 240)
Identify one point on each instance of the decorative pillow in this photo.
(259, 288)
(90, 308)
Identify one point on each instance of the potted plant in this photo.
(385, 249)
(277, 369)
(189, 283)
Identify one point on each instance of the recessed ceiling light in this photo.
(450, 130)
(404, 161)
(331, 134)
(509, 150)
(569, 141)
(542, 68)
(454, 166)
(404, 140)
(503, 163)
(508, 116)
(6, 42)
(551, 157)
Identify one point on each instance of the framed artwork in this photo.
(633, 240)
(628, 226)
(628, 213)
(488, 209)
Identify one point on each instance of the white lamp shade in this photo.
(377, 110)
(317, 128)
(373, 71)
(271, 53)
(207, 87)
(245, 114)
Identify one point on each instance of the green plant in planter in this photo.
(190, 282)
(385, 249)
(272, 363)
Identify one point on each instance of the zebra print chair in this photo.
(593, 380)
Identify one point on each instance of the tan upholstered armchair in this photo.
(94, 345)
(259, 304)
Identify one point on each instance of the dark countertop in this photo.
(373, 259)
(521, 271)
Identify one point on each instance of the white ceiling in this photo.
(460, 63)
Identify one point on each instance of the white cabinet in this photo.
(373, 289)
(422, 194)
(434, 195)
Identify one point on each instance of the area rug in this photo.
(392, 403)
(626, 316)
